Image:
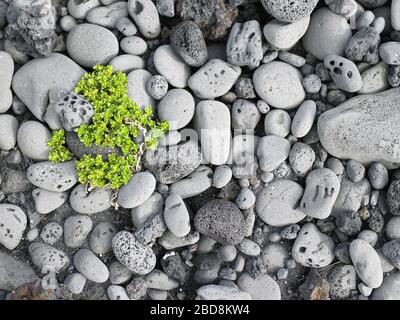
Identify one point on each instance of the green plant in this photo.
(119, 123)
(58, 150)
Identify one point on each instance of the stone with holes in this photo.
(76, 230)
(289, 10)
(174, 163)
(53, 176)
(132, 254)
(244, 46)
(101, 237)
(222, 221)
(45, 255)
(188, 42)
(344, 73)
(322, 189)
(73, 110)
(313, 248)
(12, 225)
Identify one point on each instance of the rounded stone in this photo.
(76, 230)
(262, 287)
(176, 216)
(90, 266)
(98, 200)
(393, 228)
(279, 84)
(366, 262)
(32, 140)
(220, 220)
(188, 42)
(13, 222)
(177, 107)
(90, 45)
(328, 33)
(51, 176)
(6, 70)
(131, 253)
(8, 131)
(169, 65)
(133, 45)
(47, 201)
(313, 248)
(75, 282)
(138, 190)
(277, 122)
(101, 237)
(289, 10)
(276, 203)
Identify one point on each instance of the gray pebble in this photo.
(115, 292)
(389, 52)
(244, 46)
(176, 216)
(246, 199)
(76, 230)
(157, 87)
(188, 43)
(280, 196)
(32, 140)
(138, 190)
(101, 237)
(166, 8)
(245, 115)
(222, 176)
(378, 175)
(98, 200)
(13, 222)
(312, 248)
(301, 159)
(133, 45)
(90, 45)
(325, 185)
(214, 79)
(126, 26)
(146, 19)
(366, 262)
(344, 73)
(51, 233)
(119, 274)
(342, 280)
(222, 221)
(8, 131)
(47, 201)
(45, 255)
(369, 236)
(312, 83)
(57, 177)
(132, 254)
(75, 282)
(274, 257)
(90, 266)
(355, 170)
(177, 107)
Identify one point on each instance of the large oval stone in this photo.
(365, 128)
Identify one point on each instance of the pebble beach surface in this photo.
(278, 179)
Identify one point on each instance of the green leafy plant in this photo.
(119, 123)
(58, 150)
